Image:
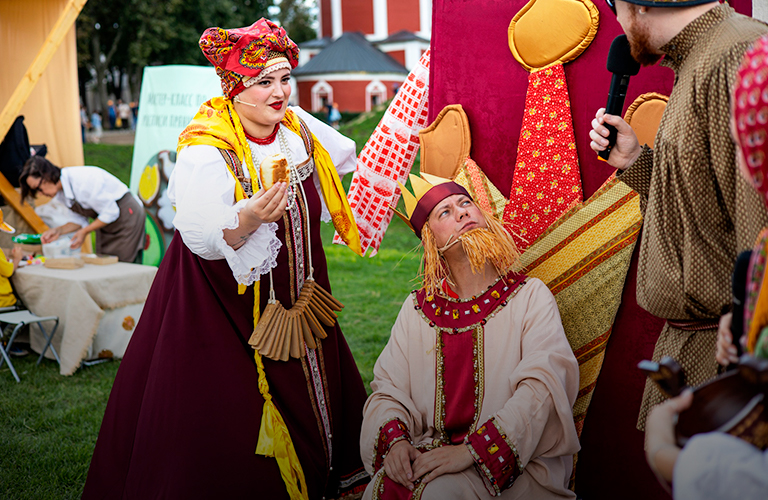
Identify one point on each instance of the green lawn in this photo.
(112, 158)
(50, 423)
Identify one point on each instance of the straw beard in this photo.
(489, 244)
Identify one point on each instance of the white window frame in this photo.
(375, 88)
(319, 88)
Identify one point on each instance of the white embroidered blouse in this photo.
(202, 191)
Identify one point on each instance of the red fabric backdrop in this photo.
(471, 65)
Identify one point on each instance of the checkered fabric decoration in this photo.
(387, 158)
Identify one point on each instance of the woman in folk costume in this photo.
(195, 411)
(473, 393)
(750, 130)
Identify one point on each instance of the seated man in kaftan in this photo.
(473, 393)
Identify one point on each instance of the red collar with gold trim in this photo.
(460, 315)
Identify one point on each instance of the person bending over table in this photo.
(473, 393)
(90, 192)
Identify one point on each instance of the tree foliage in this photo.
(297, 19)
(117, 37)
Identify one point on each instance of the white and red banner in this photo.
(387, 158)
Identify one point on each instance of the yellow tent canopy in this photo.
(39, 81)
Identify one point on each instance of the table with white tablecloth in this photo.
(98, 307)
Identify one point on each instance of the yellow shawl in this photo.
(217, 124)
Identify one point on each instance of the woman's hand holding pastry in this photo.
(266, 206)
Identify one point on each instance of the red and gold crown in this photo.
(428, 191)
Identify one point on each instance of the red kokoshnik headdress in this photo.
(242, 54)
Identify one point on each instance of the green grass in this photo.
(372, 291)
(112, 158)
(50, 423)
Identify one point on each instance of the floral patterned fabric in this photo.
(547, 180)
(240, 52)
(751, 113)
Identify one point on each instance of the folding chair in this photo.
(22, 318)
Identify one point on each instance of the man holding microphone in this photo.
(699, 213)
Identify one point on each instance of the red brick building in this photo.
(351, 72)
(376, 19)
(364, 52)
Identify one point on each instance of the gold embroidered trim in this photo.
(511, 445)
(479, 360)
(486, 472)
(313, 401)
(474, 325)
(478, 376)
(439, 390)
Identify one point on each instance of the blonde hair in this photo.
(492, 243)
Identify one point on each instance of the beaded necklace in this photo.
(266, 140)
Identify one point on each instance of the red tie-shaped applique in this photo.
(547, 180)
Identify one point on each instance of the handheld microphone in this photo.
(622, 65)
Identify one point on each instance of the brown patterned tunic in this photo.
(699, 212)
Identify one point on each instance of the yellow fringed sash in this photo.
(217, 124)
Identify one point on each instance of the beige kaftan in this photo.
(527, 379)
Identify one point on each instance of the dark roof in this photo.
(350, 53)
(402, 36)
(317, 43)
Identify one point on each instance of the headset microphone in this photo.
(237, 99)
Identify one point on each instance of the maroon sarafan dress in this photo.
(184, 415)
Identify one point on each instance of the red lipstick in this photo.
(277, 105)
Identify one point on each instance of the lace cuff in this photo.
(495, 457)
(257, 256)
(392, 431)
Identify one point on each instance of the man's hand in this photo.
(625, 151)
(661, 449)
(269, 206)
(726, 352)
(50, 235)
(397, 463)
(443, 460)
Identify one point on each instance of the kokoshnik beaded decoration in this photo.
(280, 331)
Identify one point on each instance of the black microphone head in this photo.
(620, 60)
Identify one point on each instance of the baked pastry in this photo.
(274, 169)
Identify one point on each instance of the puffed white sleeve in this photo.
(340, 148)
(202, 191)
